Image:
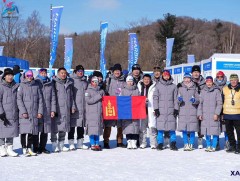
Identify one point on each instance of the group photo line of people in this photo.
(33, 108)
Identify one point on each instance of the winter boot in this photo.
(71, 145)
(237, 149)
(106, 145)
(10, 151)
(160, 147)
(231, 149)
(134, 144)
(3, 151)
(200, 143)
(94, 148)
(142, 146)
(62, 147)
(80, 144)
(121, 145)
(173, 146)
(208, 149)
(129, 144)
(24, 151)
(186, 147)
(213, 149)
(227, 145)
(30, 152)
(55, 148)
(43, 150)
(153, 147)
(98, 148)
(190, 146)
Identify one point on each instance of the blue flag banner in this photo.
(68, 54)
(133, 50)
(191, 59)
(103, 30)
(170, 42)
(56, 13)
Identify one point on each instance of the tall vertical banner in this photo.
(103, 34)
(170, 42)
(1, 50)
(56, 13)
(191, 59)
(133, 50)
(68, 55)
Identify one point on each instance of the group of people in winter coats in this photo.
(36, 107)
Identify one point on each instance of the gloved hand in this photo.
(157, 113)
(180, 98)
(192, 100)
(4, 119)
(175, 113)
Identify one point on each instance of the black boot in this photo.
(231, 149)
(121, 145)
(160, 147)
(106, 146)
(237, 149)
(43, 150)
(173, 146)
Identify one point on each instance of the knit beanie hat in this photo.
(196, 68)
(129, 78)
(209, 79)
(187, 75)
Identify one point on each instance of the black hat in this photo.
(117, 67)
(196, 68)
(97, 74)
(136, 67)
(147, 75)
(7, 71)
(79, 67)
(16, 69)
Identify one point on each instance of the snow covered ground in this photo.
(121, 164)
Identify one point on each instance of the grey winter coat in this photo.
(64, 104)
(130, 126)
(114, 89)
(80, 86)
(201, 83)
(49, 105)
(187, 119)
(94, 121)
(29, 101)
(8, 105)
(210, 104)
(165, 99)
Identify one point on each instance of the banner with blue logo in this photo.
(187, 69)
(68, 54)
(103, 30)
(133, 50)
(190, 59)
(56, 13)
(170, 42)
(207, 66)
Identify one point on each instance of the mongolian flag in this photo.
(124, 107)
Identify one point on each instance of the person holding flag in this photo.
(49, 110)
(78, 118)
(114, 85)
(130, 127)
(166, 109)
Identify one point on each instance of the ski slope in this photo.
(121, 164)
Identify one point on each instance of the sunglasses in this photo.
(29, 76)
(80, 71)
(219, 76)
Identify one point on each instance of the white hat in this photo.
(129, 78)
(94, 79)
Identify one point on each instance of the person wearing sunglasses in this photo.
(30, 105)
(65, 106)
(94, 122)
(221, 81)
(78, 118)
(8, 113)
(114, 85)
(49, 110)
(231, 112)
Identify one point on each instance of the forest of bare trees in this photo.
(29, 39)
